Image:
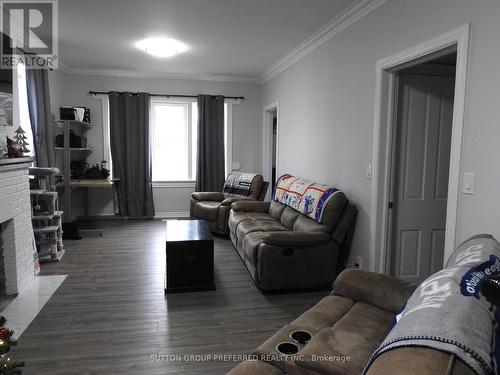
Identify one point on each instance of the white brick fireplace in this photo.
(20, 261)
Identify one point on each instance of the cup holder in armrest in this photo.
(301, 337)
(287, 348)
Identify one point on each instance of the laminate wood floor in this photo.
(111, 315)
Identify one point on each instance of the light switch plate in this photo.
(469, 183)
(235, 165)
(368, 172)
(359, 260)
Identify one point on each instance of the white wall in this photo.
(72, 89)
(327, 105)
(57, 81)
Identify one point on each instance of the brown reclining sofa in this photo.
(214, 207)
(344, 331)
(284, 249)
(347, 327)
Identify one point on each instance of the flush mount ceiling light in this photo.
(161, 47)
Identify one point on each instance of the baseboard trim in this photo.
(158, 215)
(172, 215)
(98, 217)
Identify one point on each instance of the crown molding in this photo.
(144, 74)
(350, 15)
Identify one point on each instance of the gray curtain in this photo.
(210, 165)
(130, 153)
(37, 82)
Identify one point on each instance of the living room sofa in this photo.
(214, 207)
(284, 249)
(347, 327)
(373, 324)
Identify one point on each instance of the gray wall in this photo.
(72, 89)
(327, 105)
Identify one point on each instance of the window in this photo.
(174, 138)
(106, 145)
(21, 110)
(173, 141)
(174, 125)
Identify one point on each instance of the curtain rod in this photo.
(167, 95)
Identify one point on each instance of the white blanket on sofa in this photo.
(448, 313)
(307, 197)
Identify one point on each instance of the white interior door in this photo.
(421, 171)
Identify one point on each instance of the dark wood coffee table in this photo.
(189, 257)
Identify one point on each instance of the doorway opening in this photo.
(270, 146)
(419, 170)
(274, 140)
(438, 50)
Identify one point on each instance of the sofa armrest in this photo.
(372, 288)
(345, 223)
(408, 361)
(231, 200)
(251, 206)
(208, 196)
(296, 239)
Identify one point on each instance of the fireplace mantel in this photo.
(11, 161)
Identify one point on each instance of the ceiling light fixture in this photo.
(161, 47)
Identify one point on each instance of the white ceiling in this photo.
(235, 38)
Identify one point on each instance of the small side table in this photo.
(189, 256)
(87, 185)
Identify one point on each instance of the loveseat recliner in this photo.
(214, 207)
(347, 326)
(370, 324)
(284, 248)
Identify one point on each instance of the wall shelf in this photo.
(74, 148)
(60, 123)
(46, 219)
(66, 182)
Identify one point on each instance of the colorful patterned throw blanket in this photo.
(304, 196)
(238, 184)
(447, 312)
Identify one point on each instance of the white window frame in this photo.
(228, 135)
(20, 110)
(188, 103)
(106, 145)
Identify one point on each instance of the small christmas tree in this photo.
(7, 366)
(20, 139)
